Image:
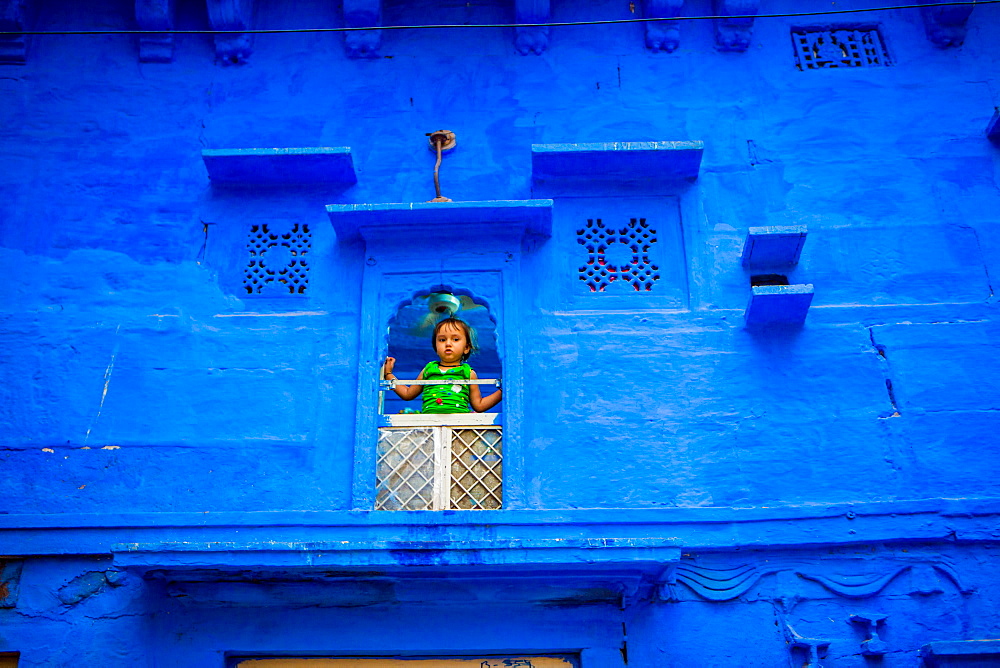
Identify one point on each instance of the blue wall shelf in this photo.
(774, 246)
(561, 164)
(318, 164)
(778, 305)
(430, 219)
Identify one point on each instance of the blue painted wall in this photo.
(142, 384)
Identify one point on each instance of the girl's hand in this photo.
(390, 363)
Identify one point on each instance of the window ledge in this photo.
(782, 305)
(311, 165)
(405, 221)
(441, 420)
(615, 162)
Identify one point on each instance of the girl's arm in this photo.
(405, 392)
(480, 403)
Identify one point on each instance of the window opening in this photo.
(450, 461)
(768, 279)
(278, 262)
(824, 48)
(618, 254)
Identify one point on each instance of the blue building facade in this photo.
(730, 262)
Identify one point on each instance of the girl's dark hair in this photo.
(470, 335)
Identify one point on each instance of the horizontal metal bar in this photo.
(478, 381)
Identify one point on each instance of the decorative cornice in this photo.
(733, 34)
(13, 18)
(891, 522)
(663, 35)
(155, 15)
(362, 14)
(231, 15)
(531, 40)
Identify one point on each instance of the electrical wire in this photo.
(554, 24)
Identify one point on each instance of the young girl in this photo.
(452, 341)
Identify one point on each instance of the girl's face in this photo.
(451, 344)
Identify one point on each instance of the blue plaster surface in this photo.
(146, 398)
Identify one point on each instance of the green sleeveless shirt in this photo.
(446, 398)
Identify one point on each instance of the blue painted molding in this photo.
(782, 305)
(361, 14)
(533, 40)
(663, 35)
(231, 15)
(733, 34)
(579, 166)
(506, 218)
(946, 25)
(924, 521)
(965, 653)
(774, 246)
(155, 15)
(993, 129)
(13, 18)
(552, 554)
(233, 166)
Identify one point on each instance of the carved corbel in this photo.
(362, 14)
(733, 34)
(13, 18)
(231, 15)
(873, 646)
(155, 15)
(945, 26)
(813, 649)
(531, 40)
(663, 35)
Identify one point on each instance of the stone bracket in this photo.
(536, 39)
(663, 35)
(362, 14)
(231, 48)
(155, 15)
(733, 34)
(10, 579)
(945, 26)
(13, 18)
(873, 646)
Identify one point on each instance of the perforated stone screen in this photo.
(278, 261)
(618, 253)
(824, 48)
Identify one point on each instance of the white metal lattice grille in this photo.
(439, 468)
(405, 469)
(476, 469)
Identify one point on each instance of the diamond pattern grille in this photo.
(413, 471)
(405, 477)
(476, 469)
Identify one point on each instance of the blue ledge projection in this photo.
(773, 246)
(969, 653)
(993, 129)
(784, 305)
(256, 166)
(492, 217)
(561, 164)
